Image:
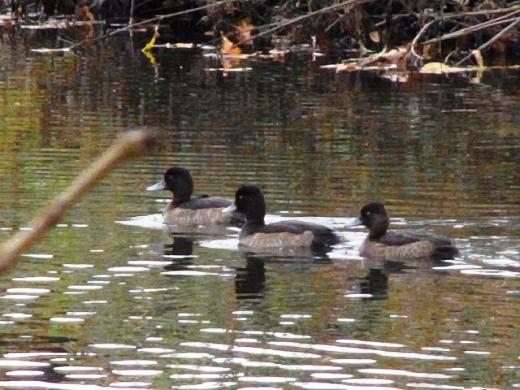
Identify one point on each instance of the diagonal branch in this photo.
(492, 40)
(306, 16)
(481, 26)
(157, 19)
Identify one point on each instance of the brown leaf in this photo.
(393, 56)
(243, 32)
(82, 12)
(430, 50)
(374, 36)
(228, 47)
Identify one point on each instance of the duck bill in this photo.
(230, 209)
(157, 186)
(355, 222)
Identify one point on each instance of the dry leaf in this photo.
(488, 4)
(374, 36)
(393, 56)
(348, 67)
(478, 57)
(278, 54)
(82, 12)
(228, 47)
(151, 43)
(397, 77)
(149, 55)
(243, 32)
(439, 68)
(430, 50)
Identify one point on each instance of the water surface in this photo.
(100, 303)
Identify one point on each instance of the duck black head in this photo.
(375, 218)
(177, 180)
(249, 200)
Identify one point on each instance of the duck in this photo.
(401, 245)
(256, 234)
(185, 210)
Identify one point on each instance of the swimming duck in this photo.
(399, 245)
(184, 210)
(249, 201)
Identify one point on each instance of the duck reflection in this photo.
(250, 280)
(180, 252)
(181, 246)
(375, 283)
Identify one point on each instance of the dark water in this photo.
(102, 304)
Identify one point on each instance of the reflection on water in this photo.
(133, 305)
(250, 280)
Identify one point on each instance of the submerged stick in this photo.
(130, 144)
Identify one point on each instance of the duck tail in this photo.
(444, 253)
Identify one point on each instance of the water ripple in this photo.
(332, 348)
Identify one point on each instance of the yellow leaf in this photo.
(439, 67)
(434, 67)
(149, 55)
(228, 47)
(150, 44)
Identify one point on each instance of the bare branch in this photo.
(481, 26)
(128, 145)
(490, 41)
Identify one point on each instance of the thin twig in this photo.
(338, 19)
(150, 20)
(306, 16)
(421, 32)
(483, 12)
(490, 41)
(481, 26)
(131, 20)
(128, 145)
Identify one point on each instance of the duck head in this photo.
(375, 218)
(249, 201)
(177, 180)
